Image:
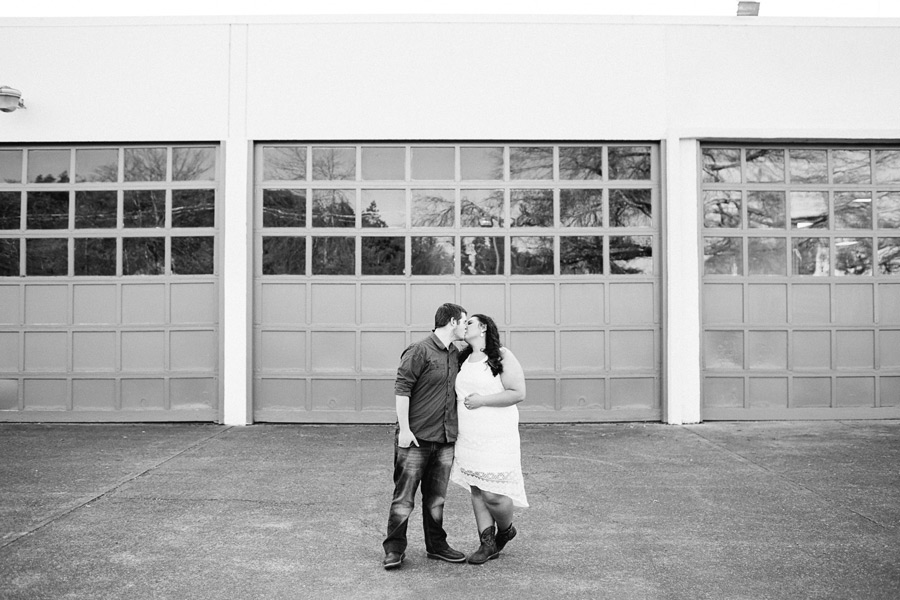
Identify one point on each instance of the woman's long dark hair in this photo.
(491, 345)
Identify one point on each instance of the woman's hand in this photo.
(473, 401)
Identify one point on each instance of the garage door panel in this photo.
(143, 350)
(94, 351)
(424, 300)
(582, 394)
(281, 351)
(94, 394)
(632, 304)
(95, 304)
(633, 393)
(582, 304)
(889, 304)
(382, 304)
(333, 351)
(723, 303)
(854, 304)
(280, 394)
(143, 394)
(767, 303)
(768, 392)
(540, 395)
(811, 392)
(485, 299)
(46, 304)
(532, 303)
(330, 395)
(46, 394)
(333, 303)
(193, 303)
(378, 395)
(380, 350)
(855, 392)
(143, 304)
(282, 303)
(46, 351)
(811, 304)
(9, 305)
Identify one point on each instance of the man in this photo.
(427, 428)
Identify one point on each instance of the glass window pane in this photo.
(853, 210)
(284, 208)
(581, 208)
(333, 164)
(531, 208)
(48, 210)
(721, 165)
(144, 208)
(811, 256)
(433, 208)
(629, 162)
(888, 207)
(887, 166)
(531, 255)
(9, 257)
(631, 255)
(433, 255)
(530, 163)
(284, 163)
(853, 256)
(578, 163)
(809, 210)
(145, 164)
(765, 210)
(722, 256)
(334, 208)
(283, 255)
(889, 256)
(96, 209)
(581, 255)
(383, 255)
(630, 208)
(334, 256)
(433, 163)
(10, 166)
(193, 164)
(851, 166)
(193, 208)
(384, 208)
(482, 255)
(808, 166)
(101, 164)
(143, 256)
(193, 255)
(48, 166)
(47, 256)
(767, 256)
(383, 163)
(722, 209)
(764, 165)
(95, 256)
(10, 210)
(482, 208)
(481, 163)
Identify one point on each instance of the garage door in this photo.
(356, 245)
(801, 281)
(108, 287)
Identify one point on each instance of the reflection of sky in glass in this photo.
(286, 163)
(722, 165)
(888, 208)
(530, 163)
(97, 165)
(722, 209)
(809, 209)
(887, 166)
(334, 163)
(384, 208)
(48, 165)
(433, 163)
(852, 210)
(11, 166)
(808, 166)
(765, 166)
(482, 208)
(433, 208)
(481, 163)
(193, 164)
(851, 166)
(383, 163)
(631, 255)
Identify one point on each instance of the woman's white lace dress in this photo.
(487, 448)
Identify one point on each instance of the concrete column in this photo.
(682, 352)
(237, 246)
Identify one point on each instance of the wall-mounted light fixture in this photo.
(748, 9)
(10, 99)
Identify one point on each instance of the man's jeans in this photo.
(428, 464)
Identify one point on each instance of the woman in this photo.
(488, 461)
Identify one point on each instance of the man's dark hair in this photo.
(447, 311)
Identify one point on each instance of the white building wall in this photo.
(235, 81)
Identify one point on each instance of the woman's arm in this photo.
(513, 379)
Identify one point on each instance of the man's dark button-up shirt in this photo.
(427, 375)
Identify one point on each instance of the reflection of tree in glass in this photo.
(482, 255)
(10, 209)
(626, 254)
(193, 208)
(765, 165)
(9, 257)
(190, 164)
(721, 165)
(630, 208)
(334, 163)
(286, 163)
(581, 163)
(193, 255)
(383, 256)
(722, 256)
(629, 162)
(811, 256)
(145, 164)
(887, 166)
(531, 255)
(851, 166)
(531, 208)
(581, 255)
(332, 208)
(432, 210)
(143, 256)
(854, 256)
(581, 208)
(531, 163)
(852, 210)
(95, 256)
(283, 255)
(432, 255)
(722, 209)
(333, 256)
(889, 256)
(372, 218)
(765, 209)
(478, 210)
(144, 208)
(284, 208)
(63, 177)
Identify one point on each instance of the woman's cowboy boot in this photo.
(487, 550)
(504, 536)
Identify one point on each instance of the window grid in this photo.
(476, 205)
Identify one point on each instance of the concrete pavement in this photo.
(783, 510)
